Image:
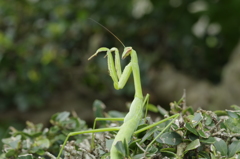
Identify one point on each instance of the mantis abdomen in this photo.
(131, 122)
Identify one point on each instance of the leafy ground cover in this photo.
(195, 134)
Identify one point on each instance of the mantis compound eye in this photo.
(127, 51)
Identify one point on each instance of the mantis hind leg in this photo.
(106, 119)
(84, 132)
(102, 119)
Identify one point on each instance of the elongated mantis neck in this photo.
(136, 75)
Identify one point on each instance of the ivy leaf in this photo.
(234, 148)
(193, 145)
(62, 116)
(170, 138)
(148, 134)
(26, 156)
(208, 119)
(203, 134)
(152, 108)
(122, 148)
(235, 107)
(191, 129)
(138, 156)
(196, 119)
(152, 151)
(13, 142)
(168, 154)
(98, 107)
(162, 111)
(204, 154)
(221, 146)
(233, 124)
(209, 140)
(233, 114)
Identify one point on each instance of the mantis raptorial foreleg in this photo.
(102, 119)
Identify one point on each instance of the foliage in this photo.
(39, 40)
(200, 134)
(36, 141)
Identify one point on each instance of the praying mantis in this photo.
(135, 114)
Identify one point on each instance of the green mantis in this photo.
(135, 114)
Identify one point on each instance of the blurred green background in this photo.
(44, 47)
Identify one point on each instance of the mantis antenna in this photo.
(108, 31)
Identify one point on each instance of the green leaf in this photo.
(168, 149)
(208, 119)
(212, 156)
(213, 149)
(98, 107)
(170, 138)
(116, 114)
(220, 112)
(62, 116)
(11, 153)
(204, 154)
(236, 156)
(152, 151)
(234, 147)
(168, 154)
(133, 145)
(26, 156)
(40, 152)
(209, 140)
(193, 145)
(105, 156)
(138, 156)
(192, 137)
(148, 134)
(28, 134)
(235, 107)
(152, 108)
(42, 142)
(125, 144)
(190, 117)
(196, 119)
(162, 111)
(221, 146)
(174, 126)
(191, 129)
(109, 143)
(13, 142)
(121, 148)
(233, 124)
(233, 114)
(188, 110)
(203, 134)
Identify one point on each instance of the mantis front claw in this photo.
(99, 50)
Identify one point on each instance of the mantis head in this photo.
(127, 51)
